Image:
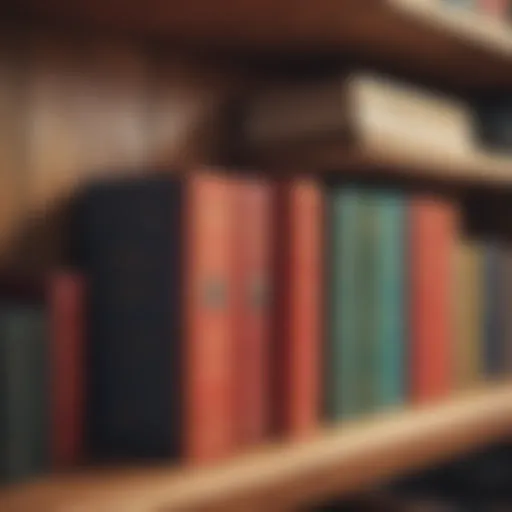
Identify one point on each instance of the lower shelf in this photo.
(335, 461)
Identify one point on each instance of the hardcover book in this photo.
(432, 237)
(253, 307)
(23, 391)
(298, 314)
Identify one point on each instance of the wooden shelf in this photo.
(336, 461)
(423, 37)
(394, 159)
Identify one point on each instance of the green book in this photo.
(23, 392)
(390, 312)
(366, 298)
(341, 354)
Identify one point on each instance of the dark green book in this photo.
(23, 392)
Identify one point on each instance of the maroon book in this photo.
(66, 312)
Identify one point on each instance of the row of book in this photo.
(208, 312)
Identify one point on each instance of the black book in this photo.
(128, 235)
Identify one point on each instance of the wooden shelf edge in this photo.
(338, 460)
(392, 158)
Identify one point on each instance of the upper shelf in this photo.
(421, 37)
(337, 461)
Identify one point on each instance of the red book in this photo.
(497, 8)
(432, 238)
(299, 308)
(66, 307)
(252, 309)
(208, 287)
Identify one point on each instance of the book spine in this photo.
(252, 305)
(341, 356)
(130, 239)
(209, 410)
(496, 8)
(391, 314)
(493, 335)
(469, 297)
(506, 307)
(23, 399)
(66, 307)
(300, 248)
(367, 257)
(432, 233)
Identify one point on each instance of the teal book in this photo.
(390, 313)
(366, 299)
(342, 374)
(23, 392)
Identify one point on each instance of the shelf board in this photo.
(423, 37)
(335, 461)
(392, 159)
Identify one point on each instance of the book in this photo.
(391, 312)
(493, 116)
(493, 323)
(299, 310)
(157, 252)
(366, 246)
(358, 110)
(252, 305)
(470, 5)
(496, 8)
(341, 351)
(432, 236)
(506, 306)
(469, 304)
(23, 391)
(66, 318)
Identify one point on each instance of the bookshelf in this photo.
(337, 460)
(417, 36)
(452, 48)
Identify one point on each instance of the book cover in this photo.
(496, 8)
(209, 376)
(391, 313)
(252, 306)
(23, 392)
(506, 306)
(432, 236)
(66, 331)
(299, 313)
(469, 304)
(128, 244)
(341, 351)
(366, 298)
(493, 322)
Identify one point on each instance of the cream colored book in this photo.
(361, 109)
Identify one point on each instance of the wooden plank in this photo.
(423, 37)
(336, 461)
(392, 158)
